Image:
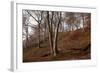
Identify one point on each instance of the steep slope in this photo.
(78, 39)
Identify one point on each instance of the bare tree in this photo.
(50, 32)
(38, 18)
(53, 35)
(25, 27)
(49, 24)
(56, 34)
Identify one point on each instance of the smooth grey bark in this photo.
(56, 37)
(50, 33)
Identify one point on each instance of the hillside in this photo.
(71, 46)
(78, 39)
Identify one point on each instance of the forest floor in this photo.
(71, 46)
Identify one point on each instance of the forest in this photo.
(55, 35)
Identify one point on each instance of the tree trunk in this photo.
(27, 36)
(50, 33)
(44, 34)
(55, 43)
(39, 35)
(83, 21)
(55, 51)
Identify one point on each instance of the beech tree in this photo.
(56, 33)
(53, 35)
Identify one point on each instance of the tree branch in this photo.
(32, 16)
